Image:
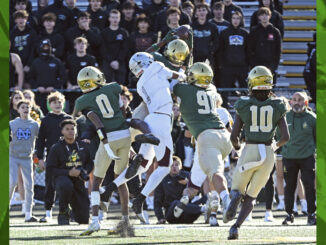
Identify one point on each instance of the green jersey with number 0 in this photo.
(105, 103)
(198, 107)
(260, 118)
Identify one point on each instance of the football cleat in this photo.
(233, 232)
(147, 138)
(46, 219)
(211, 208)
(137, 206)
(134, 165)
(311, 219)
(178, 209)
(31, 219)
(93, 227)
(289, 218)
(231, 210)
(269, 216)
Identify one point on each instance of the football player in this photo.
(258, 114)
(102, 104)
(153, 87)
(198, 109)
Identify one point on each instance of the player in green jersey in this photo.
(102, 104)
(198, 109)
(259, 115)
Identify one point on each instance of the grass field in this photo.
(252, 232)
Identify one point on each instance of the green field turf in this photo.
(252, 232)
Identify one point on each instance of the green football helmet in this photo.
(90, 78)
(260, 78)
(200, 74)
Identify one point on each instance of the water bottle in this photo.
(37, 167)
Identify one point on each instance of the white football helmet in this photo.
(139, 62)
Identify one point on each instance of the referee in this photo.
(299, 154)
(70, 163)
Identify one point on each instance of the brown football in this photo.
(183, 32)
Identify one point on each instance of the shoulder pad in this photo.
(241, 102)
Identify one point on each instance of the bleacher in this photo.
(299, 23)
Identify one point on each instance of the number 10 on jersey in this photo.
(265, 123)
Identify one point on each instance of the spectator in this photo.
(12, 6)
(126, 98)
(128, 20)
(265, 43)
(49, 134)
(218, 11)
(178, 132)
(97, 15)
(309, 72)
(142, 39)
(299, 154)
(41, 4)
(71, 4)
(15, 97)
(153, 10)
(36, 112)
(69, 162)
(160, 22)
(47, 73)
(57, 40)
(276, 18)
(172, 20)
(168, 193)
(24, 131)
(16, 72)
(77, 61)
(31, 21)
(188, 8)
(233, 55)
(63, 13)
(22, 39)
(229, 9)
(83, 29)
(114, 49)
(205, 35)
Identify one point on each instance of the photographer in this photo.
(168, 194)
(70, 163)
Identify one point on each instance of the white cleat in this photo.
(226, 202)
(93, 227)
(212, 206)
(178, 210)
(269, 216)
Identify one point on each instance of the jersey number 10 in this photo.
(265, 120)
(105, 106)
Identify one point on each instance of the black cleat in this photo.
(134, 165)
(64, 217)
(311, 219)
(289, 218)
(45, 219)
(147, 138)
(137, 206)
(32, 219)
(233, 206)
(233, 232)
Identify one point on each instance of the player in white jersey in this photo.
(154, 88)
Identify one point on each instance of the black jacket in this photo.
(229, 10)
(60, 160)
(99, 18)
(205, 40)
(22, 43)
(233, 47)
(57, 42)
(74, 64)
(47, 71)
(49, 132)
(114, 44)
(276, 20)
(160, 21)
(93, 36)
(265, 46)
(168, 191)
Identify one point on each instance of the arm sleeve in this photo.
(53, 163)
(158, 201)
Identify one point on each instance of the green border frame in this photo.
(321, 121)
(4, 118)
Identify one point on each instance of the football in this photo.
(183, 32)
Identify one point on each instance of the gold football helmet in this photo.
(177, 51)
(260, 78)
(90, 78)
(200, 74)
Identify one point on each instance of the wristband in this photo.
(101, 134)
(155, 47)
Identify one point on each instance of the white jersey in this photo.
(154, 88)
(225, 116)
